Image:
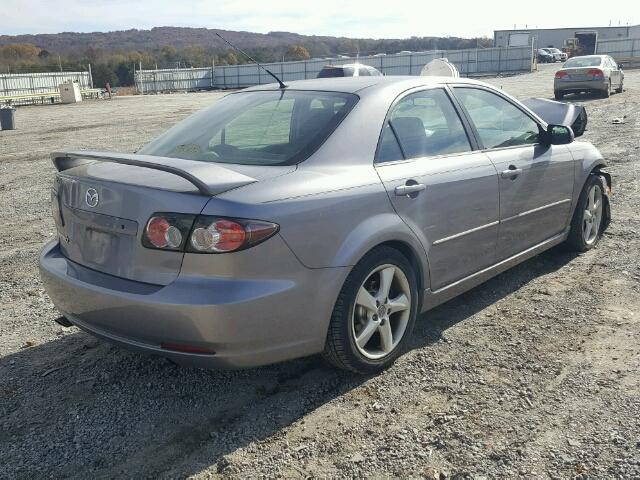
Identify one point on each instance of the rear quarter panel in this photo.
(329, 218)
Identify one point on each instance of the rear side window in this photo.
(256, 128)
(498, 122)
(423, 124)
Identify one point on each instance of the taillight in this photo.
(221, 235)
(595, 72)
(204, 234)
(167, 231)
(561, 74)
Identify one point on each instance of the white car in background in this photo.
(349, 70)
(558, 55)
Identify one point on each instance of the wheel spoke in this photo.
(386, 337)
(366, 333)
(587, 229)
(366, 300)
(592, 201)
(399, 304)
(587, 215)
(386, 277)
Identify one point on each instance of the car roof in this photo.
(371, 84)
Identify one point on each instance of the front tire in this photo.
(588, 218)
(374, 314)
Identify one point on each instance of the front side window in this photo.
(425, 124)
(256, 128)
(498, 122)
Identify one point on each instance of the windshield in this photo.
(583, 62)
(256, 128)
(554, 50)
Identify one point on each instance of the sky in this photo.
(348, 18)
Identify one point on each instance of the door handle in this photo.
(409, 189)
(511, 173)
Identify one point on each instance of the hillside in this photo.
(112, 55)
(68, 43)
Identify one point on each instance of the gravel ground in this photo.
(533, 374)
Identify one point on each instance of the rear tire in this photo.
(588, 219)
(607, 93)
(558, 95)
(620, 89)
(374, 314)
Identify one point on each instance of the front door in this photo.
(445, 192)
(536, 181)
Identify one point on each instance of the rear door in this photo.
(536, 181)
(446, 192)
(616, 74)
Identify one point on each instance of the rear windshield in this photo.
(256, 128)
(330, 72)
(583, 62)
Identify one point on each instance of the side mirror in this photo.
(559, 135)
(620, 66)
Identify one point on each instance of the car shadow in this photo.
(76, 406)
(580, 97)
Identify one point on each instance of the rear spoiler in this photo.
(209, 178)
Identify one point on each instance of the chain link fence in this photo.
(470, 62)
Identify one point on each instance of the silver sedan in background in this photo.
(319, 217)
(598, 74)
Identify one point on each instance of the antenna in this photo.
(282, 85)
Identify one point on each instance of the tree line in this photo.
(117, 66)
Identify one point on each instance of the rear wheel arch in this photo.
(387, 229)
(413, 258)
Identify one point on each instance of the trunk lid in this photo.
(101, 208)
(580, 73)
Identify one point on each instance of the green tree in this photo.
(297, 52)
(102, 74)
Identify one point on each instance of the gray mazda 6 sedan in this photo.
(318, 218)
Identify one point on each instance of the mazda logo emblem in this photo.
(91, 197)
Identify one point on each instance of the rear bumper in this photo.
(246, 322)
(579, 85)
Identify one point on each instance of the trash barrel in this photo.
(8, 118)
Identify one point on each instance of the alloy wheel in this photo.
(381, 313)
(592, 215)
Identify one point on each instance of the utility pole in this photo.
(60, 63)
